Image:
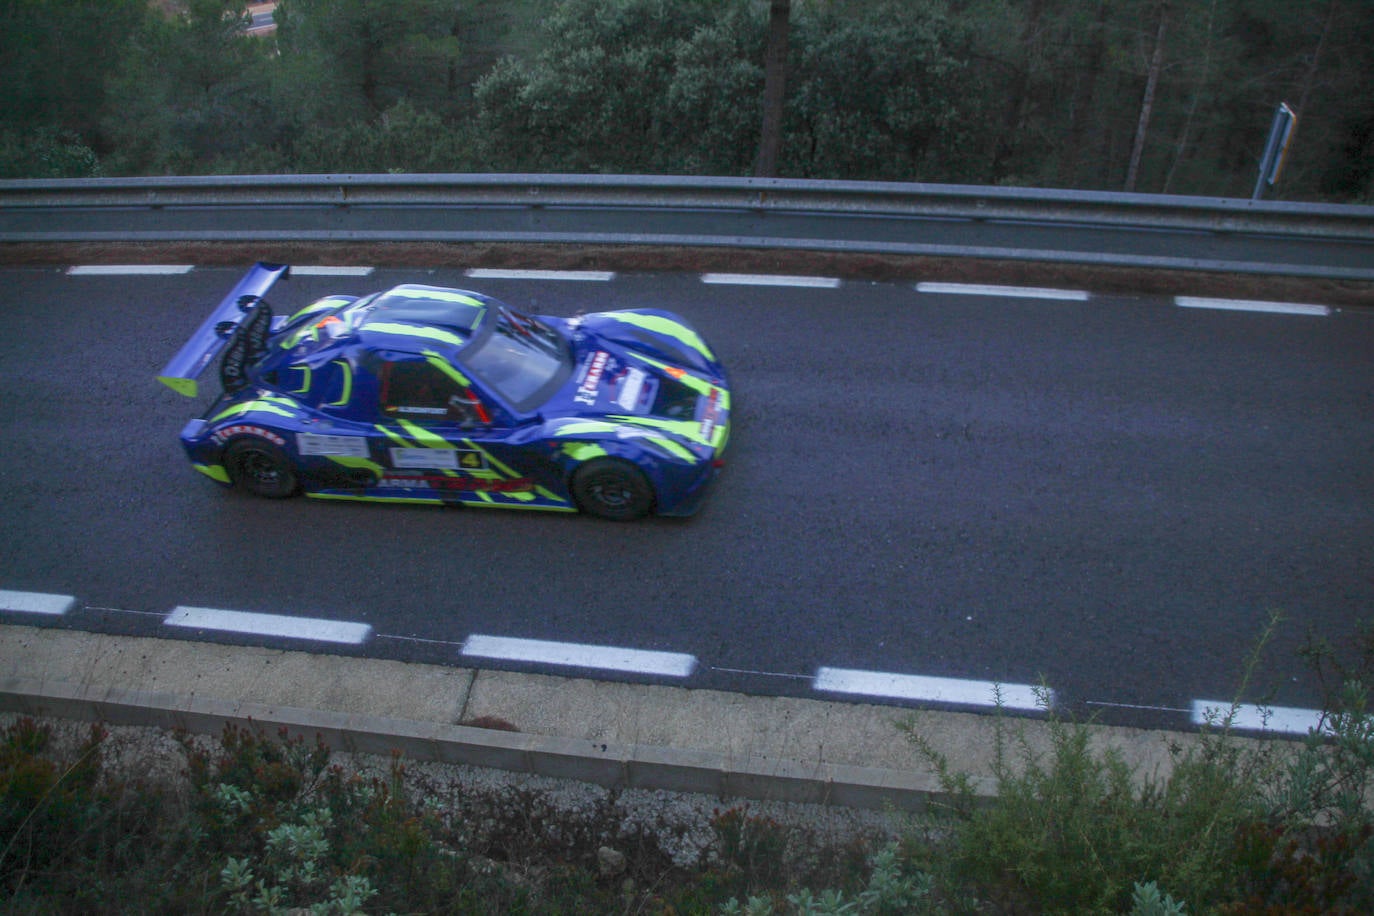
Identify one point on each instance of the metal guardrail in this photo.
(1265, 237)
(639, 191)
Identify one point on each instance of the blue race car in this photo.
(421, 394)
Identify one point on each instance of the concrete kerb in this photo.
(608, 765)
(615, 735)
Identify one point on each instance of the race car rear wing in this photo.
(241, 322)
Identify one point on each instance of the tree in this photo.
(403, 139)
(593, 100)
(1075, 93)
(348, 60)
(774, 87)
(54, 55)
(1046, 67)
(887, 95)
(191, 92)
(1014, 112)
(711, 113)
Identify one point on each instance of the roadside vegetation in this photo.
(1145, 95)
(257, 823)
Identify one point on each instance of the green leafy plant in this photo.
(891, 890)
(1148, 900)
(1235, 825)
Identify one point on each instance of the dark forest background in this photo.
(1167, 96)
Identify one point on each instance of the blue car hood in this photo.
(645, 368)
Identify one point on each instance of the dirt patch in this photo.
(651, 259)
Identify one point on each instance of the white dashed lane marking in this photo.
(771, 280)
(322, 271)
(932, 689)
(128, 270)
(36, 603)
(496, 273)
(1014, 292)
(1248, 305)
(313, 628)
(576, 655)
(1285, 719)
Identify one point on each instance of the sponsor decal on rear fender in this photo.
(224, 435)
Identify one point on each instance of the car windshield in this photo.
(519, 358)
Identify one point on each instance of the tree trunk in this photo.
(1014, 112)
(774, 88)
(1147, 104)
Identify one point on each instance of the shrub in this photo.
(72, 834)
(1236, 826)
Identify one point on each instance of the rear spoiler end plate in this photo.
(231, 322)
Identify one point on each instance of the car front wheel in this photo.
(614, 489)
(260, 468)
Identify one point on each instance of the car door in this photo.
(440, 439)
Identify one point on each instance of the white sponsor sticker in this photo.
(424, 458)
(335, 446)
(628, 396)
(708, 420)
(591, 382)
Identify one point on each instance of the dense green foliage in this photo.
(1147, 95)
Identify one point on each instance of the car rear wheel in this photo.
(614, 489)
(260, 468)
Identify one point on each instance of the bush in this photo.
(46, 152)
(73, 836)
(287, 829)
(1235, 827)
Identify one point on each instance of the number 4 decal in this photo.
(455, 458)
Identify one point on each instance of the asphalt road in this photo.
(1109, 496)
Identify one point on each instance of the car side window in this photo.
(418, 391)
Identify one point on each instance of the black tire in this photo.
(261, 468)
(613, 489)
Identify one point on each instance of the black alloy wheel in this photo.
(261, 468)
(613, 489)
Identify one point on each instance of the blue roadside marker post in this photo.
(1275, 150)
